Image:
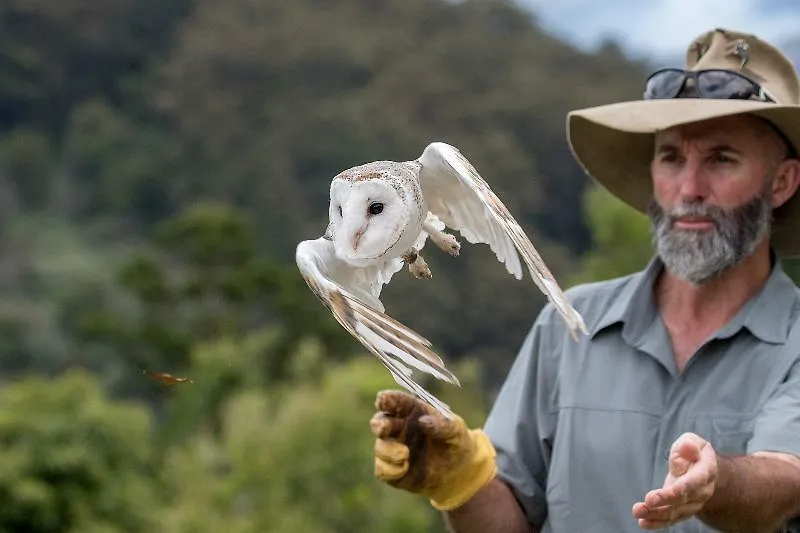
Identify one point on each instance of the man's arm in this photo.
(493, 508)
(757, 492)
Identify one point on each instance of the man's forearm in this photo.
(753, 494)
(493, 508)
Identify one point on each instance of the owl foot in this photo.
(417, 265)
(445, 241)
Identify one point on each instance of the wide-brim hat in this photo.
(614, 143)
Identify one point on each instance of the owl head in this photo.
(369, 211)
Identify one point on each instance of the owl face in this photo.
(367, 217)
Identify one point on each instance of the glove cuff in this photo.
(473, 476)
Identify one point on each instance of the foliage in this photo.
(280, 449)
(159, 162)
(621, 236)
(211, 102)
(202, 278)
(72, 459)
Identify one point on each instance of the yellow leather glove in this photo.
(420, 451)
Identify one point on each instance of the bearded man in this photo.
(681, 409)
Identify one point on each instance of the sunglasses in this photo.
(711, 83)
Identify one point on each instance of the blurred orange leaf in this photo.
(167, 379)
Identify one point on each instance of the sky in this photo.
(661, 29)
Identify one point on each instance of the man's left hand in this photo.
(689, 484)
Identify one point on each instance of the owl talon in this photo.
(417, 265)
(420, 269)
(448, 243)
(445, 241)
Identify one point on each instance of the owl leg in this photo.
(416, 264)
(445, 241)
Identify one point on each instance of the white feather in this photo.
(456, 193)
(351, 294)
(361, 251)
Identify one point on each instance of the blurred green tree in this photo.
(125, 115)
(202, 278)
(72, 460)
(621, 238)
(305, 440)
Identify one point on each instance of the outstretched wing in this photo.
(456, 193)
(350, 294)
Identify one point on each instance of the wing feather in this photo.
(352, 296)
(460, 197)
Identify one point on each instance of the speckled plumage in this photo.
(381, 215)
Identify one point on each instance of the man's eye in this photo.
(720, 158)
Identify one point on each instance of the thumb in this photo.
(685, 452)
(440, 428)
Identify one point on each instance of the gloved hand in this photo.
(420, 451)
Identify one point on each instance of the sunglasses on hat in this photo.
(711, 83)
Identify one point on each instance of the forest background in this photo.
(159, 161)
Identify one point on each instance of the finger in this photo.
(654, 524)
(671, 495)
(685, 452)
(388, 471)
(391, 451)
(661, 523)
(688, 446)
(694, 485)
(709, 456)
(666, 513)
(438, 427)
(384, 426)
(678, 464)
(397, 403)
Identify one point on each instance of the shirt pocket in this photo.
(728, 434)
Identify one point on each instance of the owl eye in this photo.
(375, 208)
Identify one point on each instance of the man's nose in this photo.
(694, 182)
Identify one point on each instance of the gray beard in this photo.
(699, 256)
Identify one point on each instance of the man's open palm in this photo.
(689, 484)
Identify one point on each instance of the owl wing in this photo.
(459, 197)
(350, 294)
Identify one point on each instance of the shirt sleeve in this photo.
(521, 422)
(777, 427)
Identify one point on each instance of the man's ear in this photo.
(787, 179)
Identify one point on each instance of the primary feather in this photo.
(457, 194)
(381, 215)
(352, 296)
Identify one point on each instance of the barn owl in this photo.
(381, 214)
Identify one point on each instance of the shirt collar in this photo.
(634, 297)
(767, 315)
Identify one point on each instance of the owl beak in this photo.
(357, 238)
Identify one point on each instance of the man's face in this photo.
(712, 184)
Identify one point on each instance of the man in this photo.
(681, 409)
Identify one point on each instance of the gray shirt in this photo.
(583, 429)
